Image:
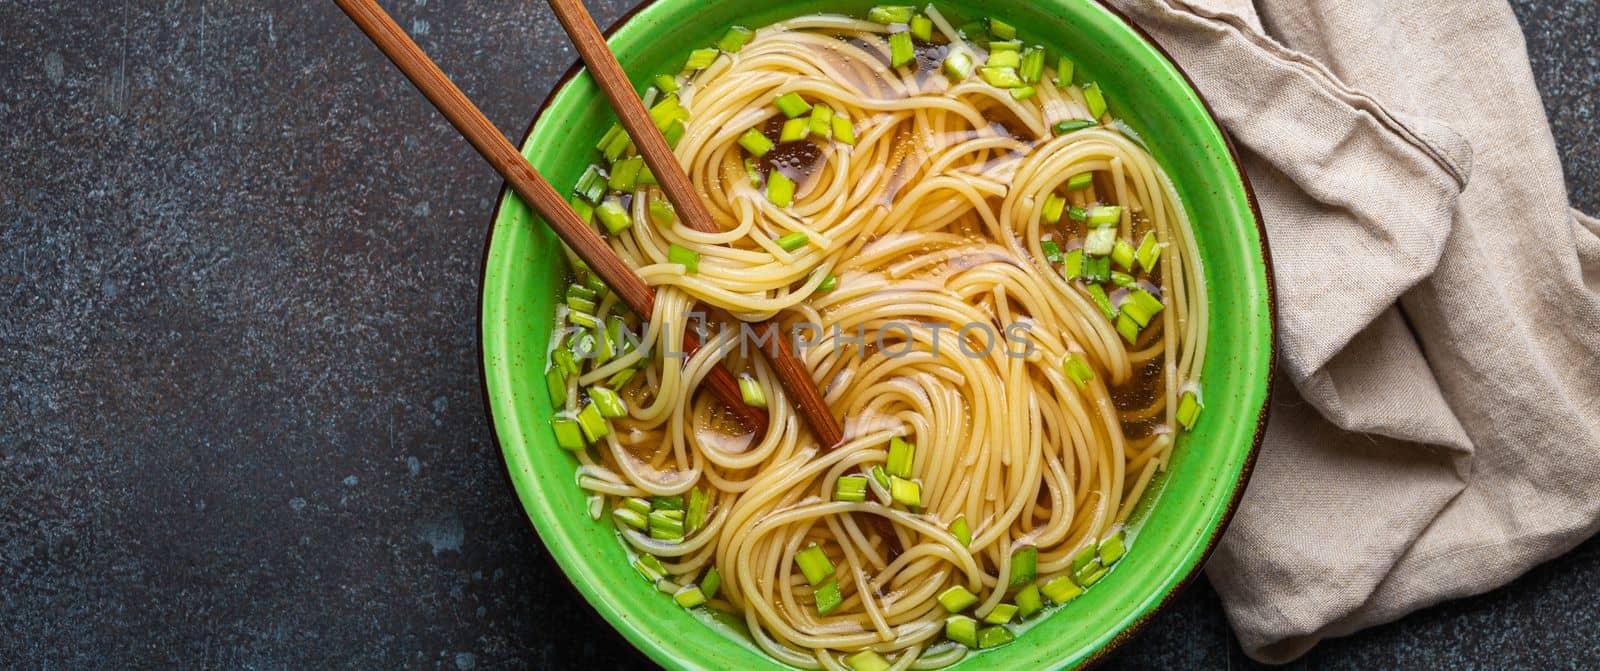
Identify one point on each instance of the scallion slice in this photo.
(867, 660)
(1113, 548)
(632, 519)
(754, 142)
(1142, 306)
(662, 213)
(792, 105)
(689, 596)
(752, 172)
(1001, 78)
(593, 424)
(667, 83)
(901, 456)
(584, 210)
(1188, 409)
(579, 303)
(1097, 294)
(829, 283)
(900, 49)
(957, 599)
(961, 629)
(1064, 69)
(1100, 241)
(613, 217)
(1095, 98)
(735, 38)
(922, 28)
(650, 567)
(1096, 268)
(828, 597)
(666, 525)
(842, 130)
(699, 506)
(1072, 267)
(822, 121)
(1080, 181)
(591, 185)
(688, 258)
(961, 531)
(1069, 125)
(1032, 66)
(674, 132)
(780, 189)
(750, 389)
(1122, 253)
(1024, 566)
(881, 476)
(793, 241)
(700, 59)
(610, 404)
(1013, 46)
(890, 13)
(1001, 614)
(1028, 601)
(1004, 59)
(1128, 328)
(638, 505)
(666, 502)
(1105, 215)
(994, 637)
(905, 492)
(568, 434)
(851, 488)
(555, 380)
(1001, 29)
(1149, 252)
(814, 564)
(622, 378)
(711, 583)
(1061, 590)
(958, 65)
(1052, 251)
(625, 174)
(1077, 369)
(1054, 205)
(794, 130)
(1023, 92)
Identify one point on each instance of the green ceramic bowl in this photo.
(1174, 534)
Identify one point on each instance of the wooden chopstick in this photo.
(528, 183)
(603, 66)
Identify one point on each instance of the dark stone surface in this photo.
(242, 423)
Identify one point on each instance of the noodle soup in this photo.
(992, 282)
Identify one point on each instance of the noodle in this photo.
(935, 216)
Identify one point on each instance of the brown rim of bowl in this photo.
(1134, 628)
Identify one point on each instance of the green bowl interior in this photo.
(523, 273)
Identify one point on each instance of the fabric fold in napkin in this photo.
(1439, 309)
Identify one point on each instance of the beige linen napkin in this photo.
(1439, 302)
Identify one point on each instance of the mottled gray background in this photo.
(240, 418)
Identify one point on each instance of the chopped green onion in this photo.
(1128, 328)
(1028, 601)
(1001, 29)
(612, 133)
(1052, 251)
(961, 629)
(780, 189)
(1100, 241)
(666, 525)
(994, 637)
(1113, 548)
(568, 434)
(959, 529)
(1002, 614)
(851, 488)
(711, 583)
(615, 219)
(828, 597)
(1122, 254)
(592, 185)
(867, 660)
(1076, 213)
(881, 476)
(957, 599)
(1068, 125)
(814, 564)
(584, 210)
(1096, 268)
(1054, 205)
(1188, 410)
(1097, 294)
(610, 404)
(1013, 46)
(1080, 181)
(622, 378)
(1023, 92)
(974, 31)
(564, 359)
(750, 389)
(650, 567)
(901, 456)
(829, 283)
(1061, 590)
(1002, 78)
(1095, 98)
(674, 132)
(700, 59)
(625, 174)
(1004, 59)
(647, 178)
(1024, 566)
(822, 121)
(792, 105)
(1032, 67)
(842, 130)
(958, 65)
(662, 212)
(556, 381)
(793, 241)
(580, 304)
(581, 290)
(757, 144)
(667, 83)
(900, 50)
(688, 258)
(632, 518)
(1094, 576)
(922, 28)
(890, 13)
(794, 130)
(593, 423)
(699, 507)
(735, 38)
(1149, 252)
(1141, 306)
(1077, 369)
(1105, 215)
(689, 596)
(667, 110)
(1072, 268)
(751, 171)
(1064, 68)
(666, 502)
(636, 504)
(905, 492)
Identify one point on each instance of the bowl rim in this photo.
(1246, 470)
